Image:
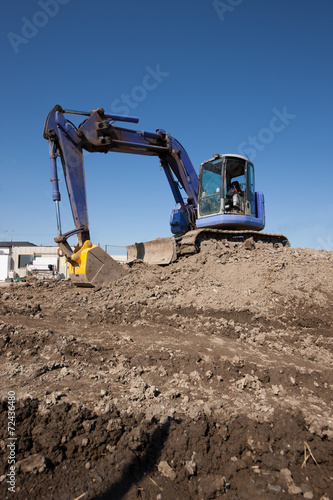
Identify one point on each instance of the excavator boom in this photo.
(97, 134)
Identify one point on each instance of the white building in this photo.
(15, 256)
(5, 262)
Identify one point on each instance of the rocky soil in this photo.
(209, 378)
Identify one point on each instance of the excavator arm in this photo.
(97, 133)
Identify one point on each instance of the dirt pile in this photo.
(209, 378)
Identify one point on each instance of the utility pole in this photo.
(4, 231)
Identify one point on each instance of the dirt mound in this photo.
(209, 378)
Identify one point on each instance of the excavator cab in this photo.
(227, 196)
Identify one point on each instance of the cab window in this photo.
(210, 199)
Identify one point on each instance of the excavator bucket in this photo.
(94, 267)
(159, 251)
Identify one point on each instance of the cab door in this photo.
(250, 208)
(210, 187)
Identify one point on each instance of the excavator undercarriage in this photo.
(166, 250)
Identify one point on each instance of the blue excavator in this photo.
(220, 203)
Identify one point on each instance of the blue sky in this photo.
(232, 76)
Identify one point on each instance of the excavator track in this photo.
(163, 251)
(190, 242)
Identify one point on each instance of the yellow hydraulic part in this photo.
(90, 266)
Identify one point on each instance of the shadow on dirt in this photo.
(139, 467)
